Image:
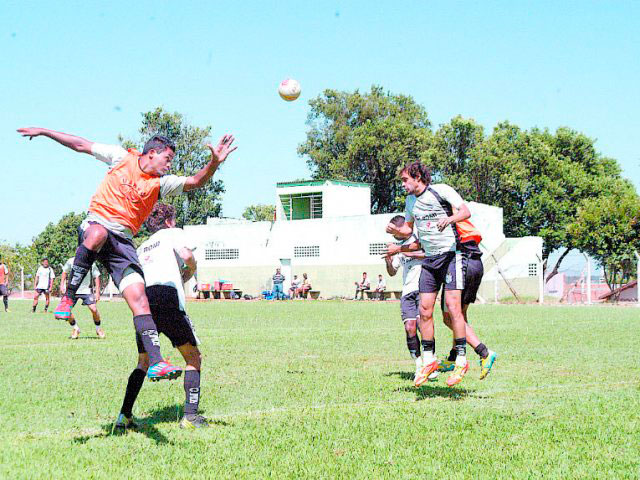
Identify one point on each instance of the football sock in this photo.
(192, 391)
(146, 328)
(452, 355)
(461, 346)
(429, 346)
(482, 350)
(81, 265)
(72, 322)
(413, 344)
(136, 379)
(34, 309)
(5, 300)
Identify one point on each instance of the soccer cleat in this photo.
(100, 333)
(63, 310)
(125, 423)
(163, 371)
(427, 369)
(486, 364)
(193, 421)
(446, 365)
(433, 377)
(75, 333)
(458, 372)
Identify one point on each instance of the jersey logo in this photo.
(131, 191)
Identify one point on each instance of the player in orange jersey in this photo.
(118, 209)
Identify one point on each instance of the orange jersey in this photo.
(127, 194)
(468, 232)
(4, 273)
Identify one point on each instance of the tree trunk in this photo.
(554, 272)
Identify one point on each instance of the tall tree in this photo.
(58, 241)
(366, 137)
(259, 212)
(194, 206)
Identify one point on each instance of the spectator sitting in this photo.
(295, 284)
(278, 280)
(303, 290)
(363, 286)
(381, 287)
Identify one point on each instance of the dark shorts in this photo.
(117, 254)
(410, 306)
(447, 269)
(42, 291)
(4, 291)
(87, 299)
(473, 279)
(170, 320)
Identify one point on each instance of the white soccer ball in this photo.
(289, 89)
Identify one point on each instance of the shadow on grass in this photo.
(430, 389)
(147, 426)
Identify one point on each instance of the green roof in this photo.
(312, 183)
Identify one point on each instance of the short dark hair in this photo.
(158, 143)
(418, 171)
(364, 273)
(44, 258)
(159, 215)
(398, 220)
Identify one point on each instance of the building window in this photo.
(302, 206)
(377, 249)
(221, 254)
(306, 251)
(533, 269)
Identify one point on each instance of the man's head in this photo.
(364, 274)
(277, 270)
(162, 216)
(415, 178)
(45, 262)
(158, 153)
(304, 275)
(379, 277)
(397, 221)
(295, 276)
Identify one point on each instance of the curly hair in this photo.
(418, 171)
(159, 215)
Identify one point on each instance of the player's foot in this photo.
(75, 333)
(486, 364)
(100, 333)
(125, 423)
(429, 366)
(63, 310)
(446, 365)
(163, 371)
(193, 421)
(460, 369)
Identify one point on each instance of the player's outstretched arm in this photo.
(390, 268)
(189, 260)
(73, 142)
(218, 155)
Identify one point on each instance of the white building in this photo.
(326, 229)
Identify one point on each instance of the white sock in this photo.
(427, 357)
(97, 328)
(418, 362)
(461, 360)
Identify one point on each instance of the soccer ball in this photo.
(289, 89)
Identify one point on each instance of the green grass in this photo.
(324, 390)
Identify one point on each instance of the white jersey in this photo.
(425, 211)
(44, 276)
(160, 261)
(411, 268)
(87, 281)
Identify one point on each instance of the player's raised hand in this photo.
(223, 149)
(30, 132)
(392, 249)
(392, 229)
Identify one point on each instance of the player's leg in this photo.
(425, 324)
(95, 314)
(193, 358)
(35, 301)
(93, 238)
(47, 298)
(454, 287)
(134, 384)
(4, 291)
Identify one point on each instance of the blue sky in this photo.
(91, 68)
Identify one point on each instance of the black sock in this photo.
(452, 355)
(46, 307)
(413, 344)
(81, 265)
(136, 379)
(192, 391)
(461, 346)
(72, 323)
(146, 328)
(482, 350)
(429, 346)
(34, 309)
(97, 324)
(5, 300)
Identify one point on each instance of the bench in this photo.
(386, 295)
(311, 294)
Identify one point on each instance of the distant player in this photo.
(4, 284)
(118, 209)
(43, 284)
(168, 262)
(89, 297)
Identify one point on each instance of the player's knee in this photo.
(410, 328)
(95, 237)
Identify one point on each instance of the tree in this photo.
(366, 138)
(19, 256)
(259, 213)
(58, 242)
(194, 206)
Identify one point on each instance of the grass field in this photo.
(323, 390)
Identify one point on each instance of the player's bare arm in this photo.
(63, 283)
(389, 264)
(189, 263)
(418, 254)
(394, 248)
(461, 214)
(218, 155)
(73, 142)
(404, 231)
(96, 289)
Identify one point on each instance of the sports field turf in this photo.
(323, 390)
